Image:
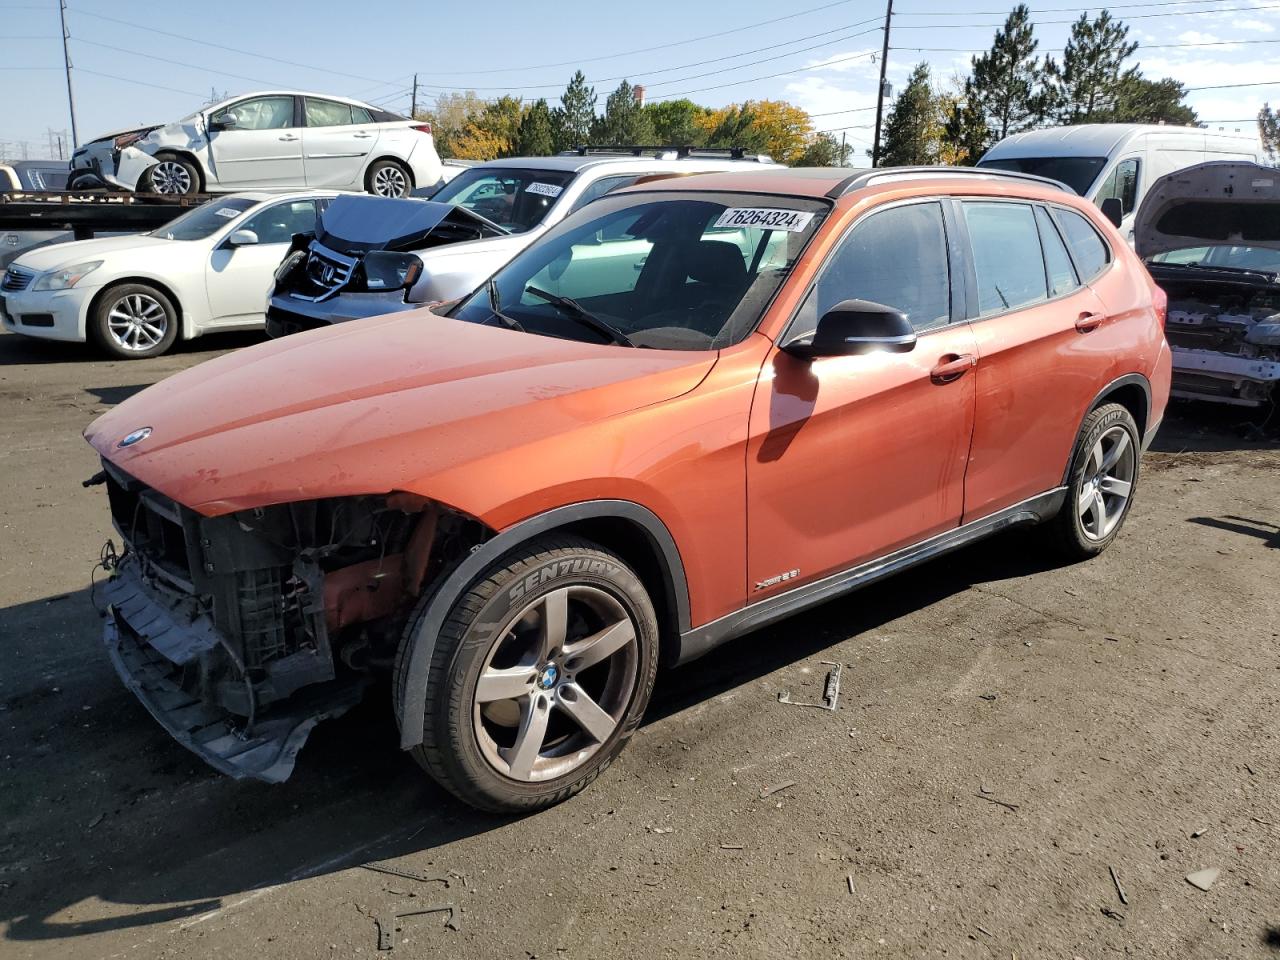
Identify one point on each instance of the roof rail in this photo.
(667, 152)
(865, 178)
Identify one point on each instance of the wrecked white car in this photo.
(272, 140)
(1211, 237)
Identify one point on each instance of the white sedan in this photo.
(134, 296)
(276, 139)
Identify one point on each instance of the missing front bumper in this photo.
(151, 642)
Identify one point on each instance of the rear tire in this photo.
(173, 175)
(1100, 486)
(388, 178)
(134, 321)
(539, 676)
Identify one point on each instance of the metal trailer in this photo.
(85, 214)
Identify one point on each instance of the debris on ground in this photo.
(389, 923)
(1001, 803)
(989, 697)
(96, 820)
(653, 829)
(1115, 878)
(1112, 914)
(1197, 834)
(776, 788)
(1203, 879)
(380, 866)
(830, 690)
(730, 846)
(849, 878)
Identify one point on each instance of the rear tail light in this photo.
(1160, 303)
(421, 127)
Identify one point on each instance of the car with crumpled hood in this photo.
(370, 258)
(1211, 237)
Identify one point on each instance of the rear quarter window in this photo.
(1089, 251)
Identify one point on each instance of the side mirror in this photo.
(1113, 210)
(242, 238)
(226, 120)
(854, 327)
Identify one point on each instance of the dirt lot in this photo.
(1006, 733)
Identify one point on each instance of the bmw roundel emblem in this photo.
(136, 437)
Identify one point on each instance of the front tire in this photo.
(388, 178)
(134, 321)
(1101, 485)
(173, 175)
(540, 675)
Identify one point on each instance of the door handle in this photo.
(1089, 321)
(952, 367)
(362, 136)
(288, 136)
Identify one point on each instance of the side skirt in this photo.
(694, 643)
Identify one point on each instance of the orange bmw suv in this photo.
(693, 407)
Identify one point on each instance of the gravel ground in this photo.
(1008, 733)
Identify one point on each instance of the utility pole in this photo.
(66, 62)
(413, 108)
(884, 66)
(844, 151)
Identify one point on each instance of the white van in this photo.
(1117, 160)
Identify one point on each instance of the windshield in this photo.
(1076, 172)
(204, 221)
(672, 271)
(1262, 259)
(511, 197)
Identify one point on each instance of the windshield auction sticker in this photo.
(793, 221)
(227, 212)
(544, 189)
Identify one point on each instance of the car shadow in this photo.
(17, 349)
(1267, 532)
(159, 838)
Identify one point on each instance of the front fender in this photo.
(426, 626)
(130, 167)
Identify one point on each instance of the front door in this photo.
(238, 277)
(263, 148)
(850, 458)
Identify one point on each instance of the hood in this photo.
(142, 128)
(1220, 203)
(373, 406)
(358, 224)
(78, 251)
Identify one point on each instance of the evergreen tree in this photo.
(1269, 130)
(571, 121)
(825, 150)
(1008, 80)
(1086, 86)
(910, 130)
(535, 137)
(624, 121)
(965, 132)
(1139, 100)
(674, 123)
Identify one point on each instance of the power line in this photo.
(179, 63)
(771, 76)
(1047, 23)
(141, 83)
(1141, 47)
(1109, 6)
(1233, 86)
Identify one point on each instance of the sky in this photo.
(143, 61)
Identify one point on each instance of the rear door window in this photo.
(327, 113)
(1006, 256)
(1090, 253)
(1057, 262)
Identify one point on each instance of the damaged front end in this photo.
(1211, 237)
(115, 160)
(240, 633)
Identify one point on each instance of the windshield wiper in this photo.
(576, 311)
(510, 322)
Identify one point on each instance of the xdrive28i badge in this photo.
(136, 437)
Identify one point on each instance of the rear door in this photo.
(264, 148)
(850, 458)
(1045, 345)
(336, 140)
(238, 277)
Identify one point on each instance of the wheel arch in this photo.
(1133, 392)
(195, 161)
(160, 285)
(627, 528)
(391, 157)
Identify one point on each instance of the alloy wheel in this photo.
(137, 322)
(1106, 484)
(169, 177)
(556, 683)
(390, 181)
